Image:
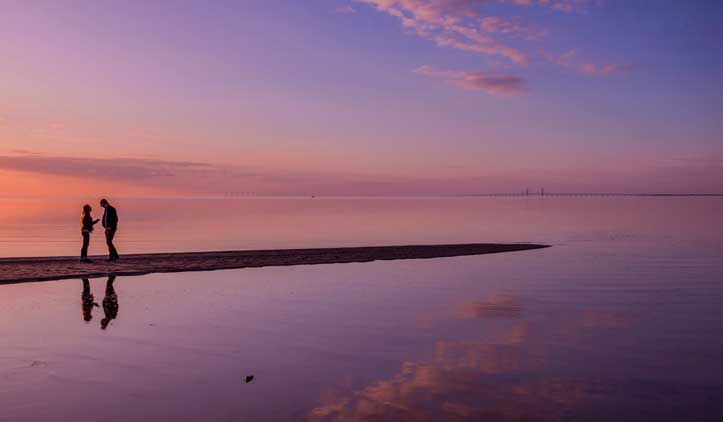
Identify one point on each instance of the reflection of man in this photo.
(88, 301)
(110, 223)
(110, 303)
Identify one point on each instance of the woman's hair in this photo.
(86, 211)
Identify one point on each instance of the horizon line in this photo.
(381, 196)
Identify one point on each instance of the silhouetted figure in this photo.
(110, 223)
(87, 301)
(86, 228)
(110, 303)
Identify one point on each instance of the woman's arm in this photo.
(96, 221)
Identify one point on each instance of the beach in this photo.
(15, 270)
(361, 210)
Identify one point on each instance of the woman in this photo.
(88, 301)
(87, 223)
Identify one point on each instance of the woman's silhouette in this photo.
(88, 301)
(86, 223)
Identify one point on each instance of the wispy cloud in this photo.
(604, 69)
(465, 25)
(345, 10)
(571, 5)
(565, 59)
(204, 178)
(570, 59)
(497, 85)
(23, 152)
(461, 24)
(513, 27)
(567, 6)
(449, 23)
(117, 169)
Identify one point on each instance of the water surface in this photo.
(619, 320)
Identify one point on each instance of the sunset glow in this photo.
(365, 97)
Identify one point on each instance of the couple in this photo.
(110, 223)
(110, 302)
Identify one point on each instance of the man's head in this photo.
(103, 202)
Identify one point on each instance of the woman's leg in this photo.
(84, 249)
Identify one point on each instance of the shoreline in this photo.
(20, 270)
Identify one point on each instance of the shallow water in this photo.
(50, 227)
(620, 320)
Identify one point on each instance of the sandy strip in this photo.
(17, 270)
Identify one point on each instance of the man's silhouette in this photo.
(110, 223)
(110, 303)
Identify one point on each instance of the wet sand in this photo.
(17, 270)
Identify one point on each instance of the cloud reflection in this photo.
(464, 381)
(507, 377)
(498, 306)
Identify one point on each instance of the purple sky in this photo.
(362, 97)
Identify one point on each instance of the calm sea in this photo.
(620, 320)
(50, 227)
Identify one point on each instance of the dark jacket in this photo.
(87, 223)
(110, 218)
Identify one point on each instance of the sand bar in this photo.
(17, 270)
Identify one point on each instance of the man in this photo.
(110, 223)
(110, 303)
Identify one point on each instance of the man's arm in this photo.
(114, 218)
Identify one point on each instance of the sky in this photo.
(360, 97)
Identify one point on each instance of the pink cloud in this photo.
(460, 24)
(566, 6)
(569, 6)
(514, 27)
(496, 85)
(604, 69)
(564, 59)
(345, 10)
(569, 60)
(519, 2)
(449, 23)
(126, 169)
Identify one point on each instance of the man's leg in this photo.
(109, 235)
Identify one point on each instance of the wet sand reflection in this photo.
(87, 301)
(110, 302)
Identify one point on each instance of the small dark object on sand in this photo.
(249, 378)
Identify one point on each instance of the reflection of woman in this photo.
(88, 301)
(110, 303)
(86, 223)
